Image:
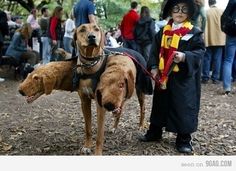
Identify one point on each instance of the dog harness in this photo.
(95, 77)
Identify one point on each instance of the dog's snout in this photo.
(22, 92)
(109, 106)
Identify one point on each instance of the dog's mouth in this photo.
(30, 99)
(92, 44)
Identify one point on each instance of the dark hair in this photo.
(211, 2)
(133, 4)
(171, 3)
(145, 12)
(57, 11)
(43, 10)
(34, 10)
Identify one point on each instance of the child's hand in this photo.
(179, 57)
(154, 74)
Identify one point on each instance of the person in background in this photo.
(11, 24)
(144, 32)
(69, 32)
(234, 70)
(84, 12)
(4, 30)
(128, 23)
(176, 99)
(32, 20)
(200, 12)
(18, 20)
(214, 44)
(44, 22)
(111, 41)
(228, 25)
(118, 36)
(55, 32)
(19, 49)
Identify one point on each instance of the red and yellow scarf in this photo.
(170, 43)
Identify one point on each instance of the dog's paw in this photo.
(112, 130)
(85, 151)
(141, 128)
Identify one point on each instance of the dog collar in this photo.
(90, 59)
(90, 62)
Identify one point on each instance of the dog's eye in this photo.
(121, 85)
(82, 30)
(96, 29)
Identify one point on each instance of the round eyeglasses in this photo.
(177, 9)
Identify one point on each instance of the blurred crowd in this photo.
(49, 30)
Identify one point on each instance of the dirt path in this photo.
(53, 125)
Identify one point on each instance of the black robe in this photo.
(177, 107)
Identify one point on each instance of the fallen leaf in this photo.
(6, 147)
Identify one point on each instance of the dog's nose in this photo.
(109, 106)
(91, 37)
(21, 92)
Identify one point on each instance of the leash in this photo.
(136, 61)
(143, 68)
(160, 81)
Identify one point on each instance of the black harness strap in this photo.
(95, 77)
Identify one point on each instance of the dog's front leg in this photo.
(115, 125)
(86, 109)
(100, 131)
(116, 122)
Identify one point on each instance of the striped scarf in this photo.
(170, 43)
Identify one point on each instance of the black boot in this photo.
(183, 143)
(153, 134)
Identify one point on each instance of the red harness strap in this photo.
(144, 69)
(158, 80)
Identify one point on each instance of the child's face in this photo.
(180, 12)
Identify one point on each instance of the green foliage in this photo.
(111, 12)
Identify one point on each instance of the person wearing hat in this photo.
(175, 61)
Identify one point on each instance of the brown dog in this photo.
(45, 78)
(58, 75)
(120, 70)
(89, 43)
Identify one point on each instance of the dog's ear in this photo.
(36, 77)
(49, 83)
(102, 41)
(129, 84)
(74, 38)
(99, 97)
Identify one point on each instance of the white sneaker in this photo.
(2, 79)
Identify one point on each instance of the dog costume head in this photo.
(114, 88)
(37, 83)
